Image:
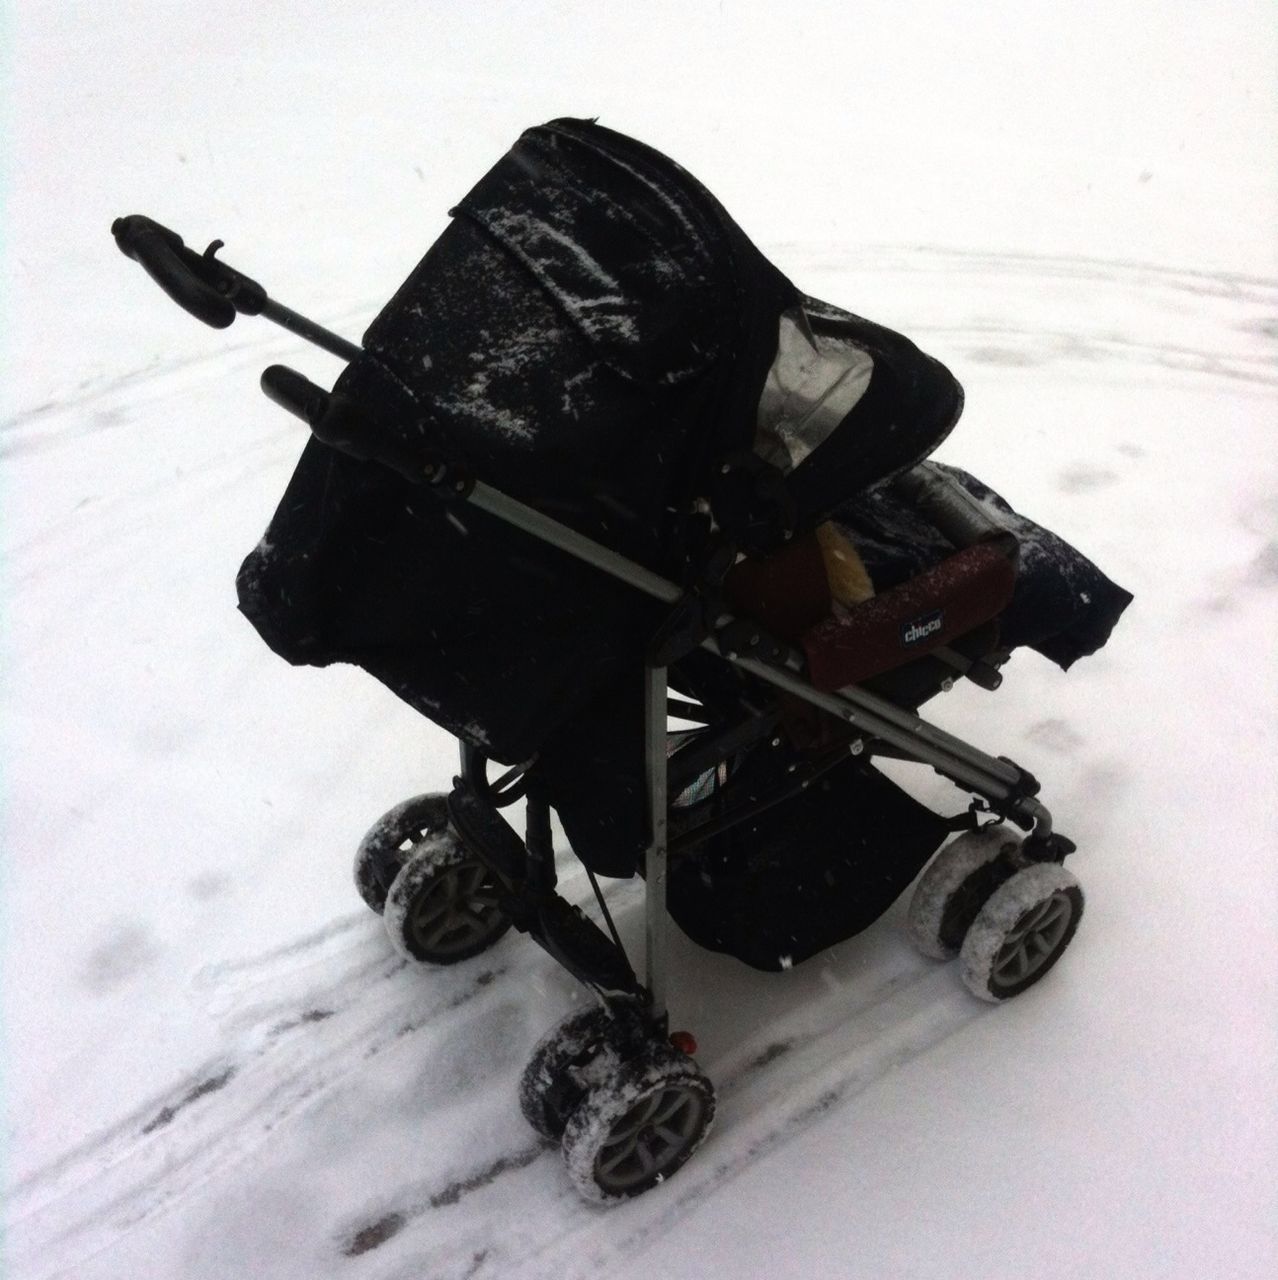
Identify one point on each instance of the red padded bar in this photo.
(956, 596)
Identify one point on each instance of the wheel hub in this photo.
(1032, 941)
(650, 1140)
(457, 910)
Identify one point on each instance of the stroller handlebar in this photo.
(210, 290)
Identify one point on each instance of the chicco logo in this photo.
(921, 628)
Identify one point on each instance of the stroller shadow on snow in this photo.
(655, 536)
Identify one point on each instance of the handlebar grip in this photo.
(343, 424)
(165, 258)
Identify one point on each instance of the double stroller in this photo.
(655, 537)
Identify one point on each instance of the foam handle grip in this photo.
(167, 261)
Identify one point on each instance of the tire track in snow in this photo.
(287, 1051)
(28, 431)
(835, 1048)
(1146, 276)
(1030, 347)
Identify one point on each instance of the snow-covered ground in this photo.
(214, 1065)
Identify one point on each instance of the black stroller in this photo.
(655, 537)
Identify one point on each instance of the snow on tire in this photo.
(554, 1081)
(1022, 931)
(954, 887)
(639, 1126)
(442, 907)
(388, 842)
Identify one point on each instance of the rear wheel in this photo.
(388, 842)
(442, 907)
(1022, 931)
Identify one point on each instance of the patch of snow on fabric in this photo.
(530, 228)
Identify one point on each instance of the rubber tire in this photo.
(1028, 890)
(548, 1094)
(439, 855)
(610, 1102)
(392, 837)
(954, 887)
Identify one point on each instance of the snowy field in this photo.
(214, 1067)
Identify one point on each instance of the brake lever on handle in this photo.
(210, 290)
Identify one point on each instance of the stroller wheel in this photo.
(553, 1083)
(1022, 931)
(389, 841)
(637, 1126)
(954, 888)
(442, 906)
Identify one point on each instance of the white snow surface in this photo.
(214, 1064)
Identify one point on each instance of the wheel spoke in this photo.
(676, 1103)
(436, 936)
(613, 1162)
(673, 1138)
(1054, 924)
(475, 925)
(632, 1123)
(1011, 966)
(428, 908)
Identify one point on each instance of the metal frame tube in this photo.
(858, 708)
(306, 328)
(656, 917)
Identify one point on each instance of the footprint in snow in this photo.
(1264, 567)
(1084, 479)
(1055, 735)
(119, 958)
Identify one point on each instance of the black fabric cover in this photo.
(1063, 606)
(807, 873)
(587, 334)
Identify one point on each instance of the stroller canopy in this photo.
(592, 334)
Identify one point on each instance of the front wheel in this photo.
(955, 886)
(554, 1081)
(638, 1126)
(442, 907)
(1022, 931)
